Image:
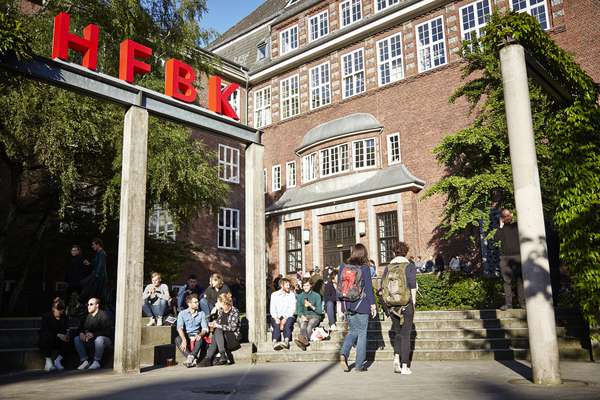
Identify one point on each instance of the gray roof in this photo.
(347, 188)
(245, 51)
(350, 124)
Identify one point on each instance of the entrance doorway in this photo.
(338, 240)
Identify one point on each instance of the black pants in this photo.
(402, 333)
(51, 346)
(185, 351)
(221, 342)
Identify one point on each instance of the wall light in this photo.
(306, 236)
(362, 228)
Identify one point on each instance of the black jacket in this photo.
(99, 325)
(212, 294)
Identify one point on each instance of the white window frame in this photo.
(326, 159)
(354, 74)
(387, 3)
(394, 77)
(322, 26)
(353, 17)
(390, 150)
(259, 54)
(529, 8)
(234, 231)
(310, 167)
(322, 89)
(478, 27)
(288, 44)
(229, 165)
(355, 158)
(276, 178)
(161, 231)
(290, 174)
(291, 98)
(431, 45)
(264, 109)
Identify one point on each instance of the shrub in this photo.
(453, 290)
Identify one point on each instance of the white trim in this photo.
(431, 58)
(290, 97)
(321, 85)
(376, 5)
(320, 142)
(315, 167)
(354, 167)
(528, 10)
(225, 228)
(341, 21)
(477, 28)
(281, 41)
(237, 39)
(340, 163)
(229, 165)
(317, 17)
(265, 109)
(388, 39)
(343, 75)
(287, 174)
(275, 188)
(389, 149)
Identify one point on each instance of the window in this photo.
(318, 26)
(389, 57)
(229, 228)
(393, 148)
(387, 235)
(473, 18)
(261, 51)
(229, 164)
(290, 98)
(383, 4)
(262, 107)
(288, 39)
(294, 249)
(535, 8)
(276, 178)
(350, 12)
(334, 160)
(364, 153)
(320, 92)
(290, 174)
(160, 224)
(430, 44)
(234, 99)
(353, 73)
(309, 168)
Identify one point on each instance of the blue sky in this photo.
(223, 14)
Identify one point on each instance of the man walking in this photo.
(510, 258)
(94, 334)
(282, 308)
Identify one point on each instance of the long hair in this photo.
(359, 255)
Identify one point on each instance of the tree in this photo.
(477, 160)
(62, 151)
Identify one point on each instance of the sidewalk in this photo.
(471, 380)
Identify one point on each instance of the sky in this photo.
(223, 14)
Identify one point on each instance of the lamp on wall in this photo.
(362, 228)
(306, 236)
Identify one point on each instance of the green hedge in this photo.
(456, 291)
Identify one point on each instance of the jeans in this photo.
(156, 309)
(509, 266)
(98, 343)
(307, 326)
(402, 333)
(185, 351)
(288, 327)
(357, 334)
(206, 306)
(330, 310)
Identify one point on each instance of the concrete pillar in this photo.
(256, 272)
(534, 254)
(132, 223)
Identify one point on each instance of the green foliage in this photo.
(456, 291)
(14, 37)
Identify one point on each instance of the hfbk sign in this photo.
(179, 76)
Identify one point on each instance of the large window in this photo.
(389, 57)
(350, 12)
(383, 4)
(334, 160)
(294, 249)
(160, 224)
(364, 153)
(288, 39)
(387, 235)
(229, 164)
(473, 18)
(290, 174)
(262, 107)
(309, 168)
(430, 44)
(318, 25)
(320, 92)
(229, 229)
(276, 178)
(535, 8)
(290, 97)
(393, 148)
(353, 73)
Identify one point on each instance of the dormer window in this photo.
(261, 51)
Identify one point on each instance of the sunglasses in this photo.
(91, 304)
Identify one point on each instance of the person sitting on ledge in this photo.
(282, 309)
(95, 333)
(215, 288)
(309, 309)
(53, 336)
(191, 327)
(226, 336)
(156, 300)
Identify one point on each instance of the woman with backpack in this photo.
(399, 293)
(355, 291)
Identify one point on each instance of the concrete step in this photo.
(25, 322)
(157, 335)
(12, 338)
(157, 355)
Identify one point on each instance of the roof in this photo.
(346, 188)
(350, 124)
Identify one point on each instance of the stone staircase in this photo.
(446, 335)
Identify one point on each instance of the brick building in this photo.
(352, 96)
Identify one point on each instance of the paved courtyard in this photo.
(430, 380)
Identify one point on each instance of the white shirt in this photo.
(283, 304)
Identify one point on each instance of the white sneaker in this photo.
(397, 368)
(189, 362)
(405, 371)
(333, 327)
(84, 365)
(49, 365)
(58, 364)
(95, 365)
(158, 321)
(152, 322)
